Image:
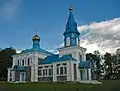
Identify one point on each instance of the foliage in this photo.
(5, 61)
(107, 66)
(95, 57)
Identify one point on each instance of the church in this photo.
(38, 65)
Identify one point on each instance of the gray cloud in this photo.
(104, 36)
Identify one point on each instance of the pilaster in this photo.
(68, 71)
(54, 73)
(72, 71)
(8, 78)
(78, 72)
(13, 76)
(36, 69)
(86, 74)
(89, 74)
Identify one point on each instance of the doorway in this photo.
(22, 76)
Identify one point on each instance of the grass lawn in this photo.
(111, 85)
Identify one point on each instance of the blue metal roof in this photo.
(71, 25)
(18, 68)
(85, 64)
(66, 57)
(55, 58)
(50, 59)
(36, 49)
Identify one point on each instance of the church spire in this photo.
(71, 33)
(71, 25)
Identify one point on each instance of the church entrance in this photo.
(22, 76)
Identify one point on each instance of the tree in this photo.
(118, 55)
(116, 64)
(108, 65)
(89, 56)
(5, 61)
(95, 57)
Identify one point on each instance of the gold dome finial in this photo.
(70, 9)
(36, 37)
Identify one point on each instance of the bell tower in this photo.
(71, 34)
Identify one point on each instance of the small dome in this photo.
(36, 37)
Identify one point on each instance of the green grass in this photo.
(111, 85)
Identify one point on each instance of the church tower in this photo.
(71, 34)
(72, 40)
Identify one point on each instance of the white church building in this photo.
(39, 65)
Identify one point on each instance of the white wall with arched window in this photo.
(62, 69)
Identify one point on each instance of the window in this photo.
(46, 72)
(67, 41)
(22, 62)
(40, 67)
(65, 70)
(64, 64)
(75, 72)
(80, 57)
(50, 71)
(39, 72)
(43, 72)
(46, 66)
(58, 64)
(61, 70)
(57, 70)
(18, 62)
(28, 61)
(39, 60)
